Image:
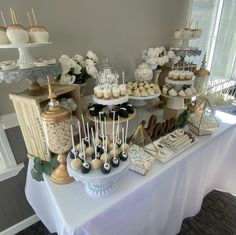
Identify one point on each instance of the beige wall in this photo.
(117, 29)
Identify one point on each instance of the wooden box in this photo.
(28, 110)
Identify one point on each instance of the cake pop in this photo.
(95, 163)
(115, 162)
(16, 33)
(106, 167)
(3, 36)
(76, 164)
(125, 146)
(73, 152)
(37, 34)
(123, 155)
(86, 167)
(118, 140)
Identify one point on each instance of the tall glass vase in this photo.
(156, 74)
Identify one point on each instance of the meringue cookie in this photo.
(172, 92)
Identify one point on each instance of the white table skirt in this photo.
(152, 204)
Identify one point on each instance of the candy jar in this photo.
(201, 79)
(56, 120)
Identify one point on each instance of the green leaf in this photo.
(36, 175)
(47, 169)
(54, 162)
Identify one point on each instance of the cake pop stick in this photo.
(88, 134)
(117, 128)
(94, 143)
(80, 139)
(123, 138)
(35, 20)
(82, 116)
(126, 131)
(72, 136)
(28, 16)
(123, 155)
(74, 152)
(3, 19)
(14, 16)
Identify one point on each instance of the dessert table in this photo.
(152, 204)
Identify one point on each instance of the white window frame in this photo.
(11, 168)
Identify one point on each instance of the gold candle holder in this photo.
(56, 120)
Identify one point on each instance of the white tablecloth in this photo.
(152, 204)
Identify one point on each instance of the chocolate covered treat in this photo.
(123, 156)
(86, 167)
(93, 112)
(115, 113)
(106, 168)
(73, 153)
(95, 155)
(130, 108)
(123, 112)
(102, 115)
(115, 162)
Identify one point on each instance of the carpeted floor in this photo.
(216, 217)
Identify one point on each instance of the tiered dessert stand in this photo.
(31, 74)
(176, 104)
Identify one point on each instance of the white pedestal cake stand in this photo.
(176, 102)
(97, 184)
(141, 101)
(23, 49)
(111, 102)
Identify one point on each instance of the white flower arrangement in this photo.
(157, 57)
(78, 69)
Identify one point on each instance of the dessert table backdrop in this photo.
(152, 204)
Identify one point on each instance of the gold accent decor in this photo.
(56, 121)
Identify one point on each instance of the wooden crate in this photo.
(28, 110)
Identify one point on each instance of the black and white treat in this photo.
(96, 155)
(86, 141)
(130, 108)
(102, 115)
(86, 167)
(123, 112)
(106, 168)
(81, 156)
(102, 137)
(119, 142)
(114, 113)
(123, 156)
(93, 111)
(73, 153)
(99, 148)
(115, 162)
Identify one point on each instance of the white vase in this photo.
(156, 74)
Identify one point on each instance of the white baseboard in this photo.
(21, 225)
(9, 120)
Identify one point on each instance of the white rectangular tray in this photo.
(169, 153)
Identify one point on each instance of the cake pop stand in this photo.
(31, 75)
(141, 101)
(97, 184)
(23, 49)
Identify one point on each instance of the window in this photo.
(217, 19)
(8, 165)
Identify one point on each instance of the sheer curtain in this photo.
(217, 18)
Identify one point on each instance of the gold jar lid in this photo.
(55, 114)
